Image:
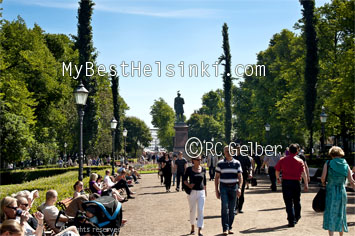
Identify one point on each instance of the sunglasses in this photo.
(24, 204)
(13, 208)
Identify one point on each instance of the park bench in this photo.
(65, 203)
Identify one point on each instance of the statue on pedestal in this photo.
(179, 108)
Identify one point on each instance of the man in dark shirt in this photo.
(247, 174)
(181, 164)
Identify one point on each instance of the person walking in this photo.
(271, 160)
(181, 165)
(247, 174)
(195, 179)
(228, 181)
(174, 168)
(337, 169)
(167, 171)
(292, 169)
(212, 163)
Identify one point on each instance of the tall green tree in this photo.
(137, 132)
(87, 54)
(205, 127)
(227, 83)
(311, 69)
(163, 118)
(336, 86)
(119, 108)
(212, 104)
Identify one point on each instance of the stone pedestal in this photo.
(181, 137)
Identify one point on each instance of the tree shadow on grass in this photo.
(264, 230)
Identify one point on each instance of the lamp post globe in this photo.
(125, 132)
(81, 95)
(267, 129)
(323, 119)
(113, 124)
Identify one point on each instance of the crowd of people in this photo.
(233, 171)
(230, 175)
(15, 217)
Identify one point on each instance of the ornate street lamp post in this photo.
(323, 120)
(124, 135)
(113, 127)
(267, 129)
(81, 95)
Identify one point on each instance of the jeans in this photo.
(228, 199)
(122, 184)
(291, 191)
(240, 200)
(197, 200)
(212, 171)
(179, 176)
(272, 178)
(174, 176)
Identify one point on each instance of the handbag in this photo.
(318, 203)
(160, 172)
(254, 182)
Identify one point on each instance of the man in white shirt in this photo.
(50, 211)
(107, 179)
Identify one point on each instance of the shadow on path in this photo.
(156, 186)
(156, 193)
(264, 230)
(274, 209)
(211, 217)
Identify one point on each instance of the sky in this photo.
(168, 31)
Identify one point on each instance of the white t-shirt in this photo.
(108, 181)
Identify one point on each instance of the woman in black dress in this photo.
(167, 171)
(197, 183)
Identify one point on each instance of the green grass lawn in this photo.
(63, 183)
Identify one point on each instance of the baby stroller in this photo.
(108, 212)
(109, 215)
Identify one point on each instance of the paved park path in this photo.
(156, 213)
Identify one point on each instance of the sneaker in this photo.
(225, 232)
(230, 232)
(177, 190)
(136, 182)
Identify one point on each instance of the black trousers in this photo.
(179, 176)
(291, 191)
(167, 180)
(122, 184)
(272, 176)
(240, 200)
(212, 171)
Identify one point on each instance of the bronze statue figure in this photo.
(179, 108)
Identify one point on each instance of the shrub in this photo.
(20, 176)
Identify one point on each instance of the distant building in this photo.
(154, 145)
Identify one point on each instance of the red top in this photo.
(291, 167)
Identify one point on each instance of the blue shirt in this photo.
(229, 171)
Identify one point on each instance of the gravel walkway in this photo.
(156, 213)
